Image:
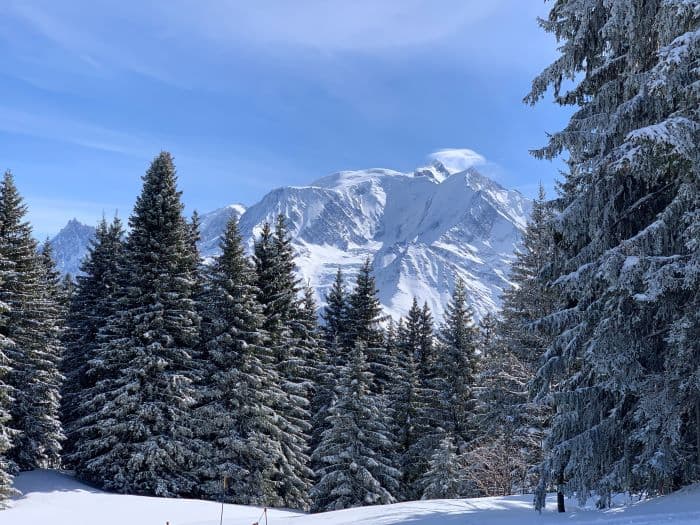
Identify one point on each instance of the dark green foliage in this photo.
(91, 304)
(30, 291)
(137, 432)
(355, 450)
(235, 421)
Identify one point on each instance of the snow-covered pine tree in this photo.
(196, 258)
(91, 304)
(279, 296)
(530, 298)
(418, 337)
(138, 428)
(426, 339)
(455, 369)
(410, 424)
(411, 340)
(33, 375)
(46, 432)
(309, 340)
(625, 263)
(331, 358)
(6, 431)
(235, 421)
(355, 450)
(364, 318)
(335, 312)
(445, 475)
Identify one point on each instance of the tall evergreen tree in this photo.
(91, 304)
(364, 326)
(455, 369)
(356, 448)
(411, 410)
(138, 430)
(29, 294)
(235, 421)
(626, 252)
(331, 358)
(335, 312)
(6, 399)
(279, 297)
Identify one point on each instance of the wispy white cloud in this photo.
(460, 159)
(73, 131)
(333, 25)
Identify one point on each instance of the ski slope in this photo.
(52, 498)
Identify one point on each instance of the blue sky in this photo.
(250, 95)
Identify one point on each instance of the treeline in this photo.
(156, 374)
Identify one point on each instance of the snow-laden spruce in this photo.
(278, 293)
(6, 399)
(92, 303)
(33, 324)
(137, 426)
(235, 422)
(355, 451)
(622, 369)
(455, 369)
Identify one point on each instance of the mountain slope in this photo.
(70, 246)
(422, 229)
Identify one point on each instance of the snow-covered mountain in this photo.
(422, 229)
(70, 246)
(213, 224)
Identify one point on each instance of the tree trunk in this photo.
(560, 494)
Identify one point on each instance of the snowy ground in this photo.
(50, 498)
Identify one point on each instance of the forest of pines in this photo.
(153, 373)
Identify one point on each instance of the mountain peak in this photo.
(424, 230)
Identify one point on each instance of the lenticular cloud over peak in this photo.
(459, 159)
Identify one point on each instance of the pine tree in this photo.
(309, 340)
(445, 475)
(137, 429)
(6, 432)
(365, 316)
(46, 429)
(91, 304)
(331, 358)
(411, 424)
(335, 312)
(625, 258)
(235, 421)
(278, 295)
(356, 448)
(455, 369)
(412, 336)
(426, 338)
(29, 295)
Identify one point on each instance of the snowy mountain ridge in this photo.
(423, 230)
